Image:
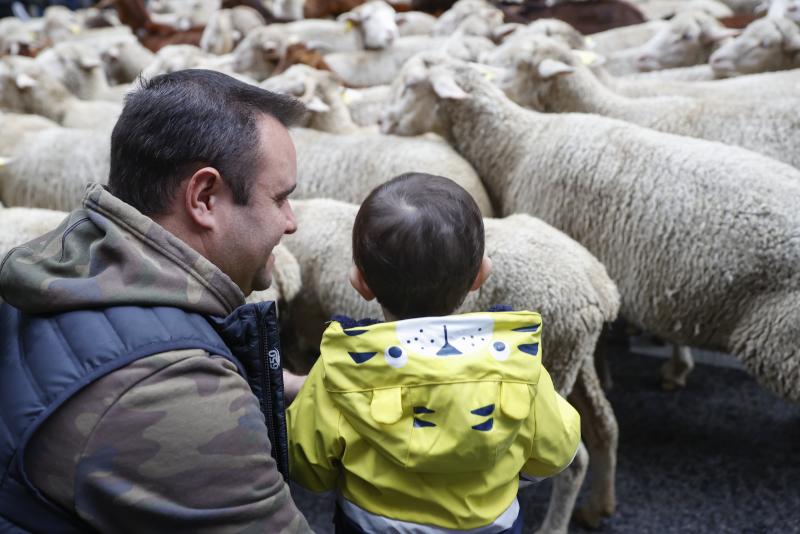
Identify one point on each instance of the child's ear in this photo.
(359, 284)
(483, 273)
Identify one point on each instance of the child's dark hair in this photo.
(418, 241)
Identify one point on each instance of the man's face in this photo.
(253, 230)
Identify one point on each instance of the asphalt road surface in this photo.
(720, 456)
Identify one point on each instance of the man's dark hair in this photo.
(179, 122)
(418, 241)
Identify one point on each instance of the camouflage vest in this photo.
(46, 359)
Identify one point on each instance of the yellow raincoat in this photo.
(431, 420)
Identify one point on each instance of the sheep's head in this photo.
(686, 40)
(531, 67)
(375, 22)
(26, 88)
(77, 65)
(304, 83)
(765, 45)
(416, 93)
(259, 53)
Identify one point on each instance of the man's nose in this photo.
(291, 222)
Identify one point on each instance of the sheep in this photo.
(688, 39)
(51, 167)
(469, 17)
(366, 105)
(124, 61)
(624, 37)
(348, 167)
(26, 87)
(765, 86)
(701, 237)
(320, 92)
(78, 66)
(370, 26)
(545, 75)
(18, 37)
(664, 9)
(14, 127)
(227, 27)
(60, 24)
(414, 23)
(570, 288)
(765, 45)
(368, 68)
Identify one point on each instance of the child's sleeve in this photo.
(557, 434)
(315, 446)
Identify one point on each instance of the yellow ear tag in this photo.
(387, 406)
(515, 400)
(586, 57)
(348, 25)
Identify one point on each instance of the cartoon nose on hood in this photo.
(436, 394)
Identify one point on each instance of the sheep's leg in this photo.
(600, 433)
(566, 486)
(601, 364)
(675, 371)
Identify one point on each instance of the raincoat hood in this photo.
(108, 254)
(436, 394)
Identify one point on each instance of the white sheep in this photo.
(701, 237)
(78, 66)
(764, 87)
(320, 92)
(369, 26)
(469, 17)
(367, 68)
(665, 9)
(14, 127)
(534, 267)
(616, 39)
(227, 27)
(50, 168)
(124, 61)
(26, 87)
(17, 36)
(348, 167)
(766, 44)
(366, 105)
(688, 39)
(546, 76)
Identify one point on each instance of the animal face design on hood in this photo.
(437, 394)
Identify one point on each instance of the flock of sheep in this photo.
(669, 197)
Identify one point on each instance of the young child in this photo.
(425, 422)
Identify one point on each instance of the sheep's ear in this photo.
(317, 106)
(550, 68)
(446, 87)
(24, 81)
(714, 34)
(504, 30)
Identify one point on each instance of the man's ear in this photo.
(359, 284)
(203, 196)
(483, 273)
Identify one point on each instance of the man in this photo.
(137, 393)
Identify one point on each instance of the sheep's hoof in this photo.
(590, 518)
(669, 380)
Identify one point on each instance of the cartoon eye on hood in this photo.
(500, 350)
(396, 357)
